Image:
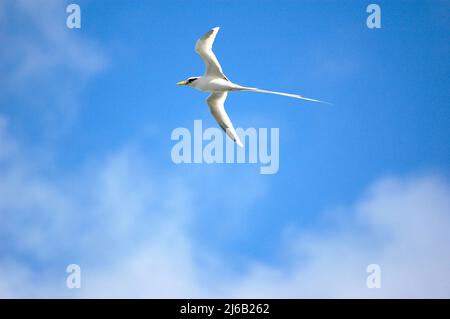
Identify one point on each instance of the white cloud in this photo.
(98, 217)
(130, 227)
(45, 65)
(401, 224)
(43, 43)
(130, 230)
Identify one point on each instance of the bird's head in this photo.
(189, 81)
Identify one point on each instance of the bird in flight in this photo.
(219, 85)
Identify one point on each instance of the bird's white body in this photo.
(215, 82)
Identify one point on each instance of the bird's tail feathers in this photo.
(296, 96)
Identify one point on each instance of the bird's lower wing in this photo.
(216, 103)
(204, 48)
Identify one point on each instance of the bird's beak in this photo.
(182, 83)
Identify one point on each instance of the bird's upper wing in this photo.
(216, 105)
(204, 48)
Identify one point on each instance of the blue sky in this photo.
(87, 178)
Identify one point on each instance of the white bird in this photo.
(219, 85)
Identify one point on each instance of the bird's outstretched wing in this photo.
(204, 48)
(216, 103)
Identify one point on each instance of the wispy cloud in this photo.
(42, 44)
(132, 226)
(130, 229)
(44, 65)
(400, 224)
